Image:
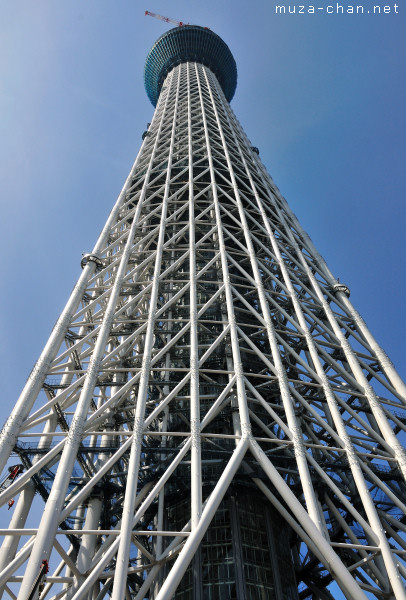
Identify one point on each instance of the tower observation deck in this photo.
(189, 43)
(211, 418)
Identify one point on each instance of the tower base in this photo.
(245, 554)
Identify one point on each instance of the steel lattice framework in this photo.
(206, 356)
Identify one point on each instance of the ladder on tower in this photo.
(40, 580)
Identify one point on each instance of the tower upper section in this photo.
(189, 43)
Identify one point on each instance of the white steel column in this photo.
(337, 418)
(119, 585)
(241, 396)
(282, 378)
(196, 465)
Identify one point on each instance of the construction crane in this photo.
(166, 19)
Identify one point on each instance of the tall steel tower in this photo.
(210, 418)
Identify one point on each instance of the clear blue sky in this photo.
(322, 96)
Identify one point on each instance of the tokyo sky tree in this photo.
(210, 419)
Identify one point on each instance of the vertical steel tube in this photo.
(196, 466)
(293, 424)
(123, 553)
(241, 395)
(49, 522)
(329, 395)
